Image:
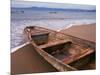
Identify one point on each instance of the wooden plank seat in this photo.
(50, 44)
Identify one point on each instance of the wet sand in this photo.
(27, 60)
(87, 32)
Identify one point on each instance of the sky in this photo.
(19, 4)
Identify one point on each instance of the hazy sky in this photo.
(16, 3)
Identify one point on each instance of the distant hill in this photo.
(52, 9)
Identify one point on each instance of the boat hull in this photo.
(70, 63)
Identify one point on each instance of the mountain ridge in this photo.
(53, 9)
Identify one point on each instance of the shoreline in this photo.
(67, 28)
(78, 24)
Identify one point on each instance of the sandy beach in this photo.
(26, 60)
(87, 32)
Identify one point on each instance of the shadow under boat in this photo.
(64, 52)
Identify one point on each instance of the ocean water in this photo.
(55, 20)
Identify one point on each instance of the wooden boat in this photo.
(64, 52)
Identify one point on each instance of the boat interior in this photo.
(68, 53)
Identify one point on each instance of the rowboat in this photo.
(64, 52)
